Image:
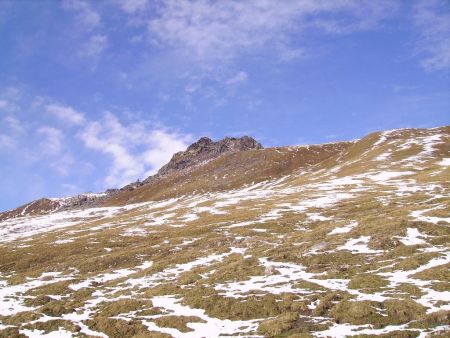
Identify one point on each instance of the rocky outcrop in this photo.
(205, 150)
(197, 153)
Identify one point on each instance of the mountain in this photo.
(232, 239)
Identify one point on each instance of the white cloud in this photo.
(7, 141)
(224, 29)
(136, 150)
(13, 125)
(240, 77)
(66, 114)
(4, 104)
(52, 138)
(86, 17)
(432, 17)
(12, 131)
(63, 164)
(133, 6)
(94, 46)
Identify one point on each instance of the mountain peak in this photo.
(206, 149)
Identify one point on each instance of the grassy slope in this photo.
(261, 256)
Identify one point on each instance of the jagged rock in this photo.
(205, 149)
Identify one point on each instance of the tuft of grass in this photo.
(401, 311)
(357, 313)
(276, 326)
(11, 332)
(440, 273)
(118, 328)
(438, 318)
(327, 301)
(19, 318)
(252, 307)
(368, 283)
(56, 308)
(111, 309)
(58, 288)
(53, 325)
(236, 268)
(178, 322)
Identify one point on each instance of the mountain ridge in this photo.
(333, 240)
(196, 154)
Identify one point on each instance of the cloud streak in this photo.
(211, 30)
(432, 17)
(66, 114)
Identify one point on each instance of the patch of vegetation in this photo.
(56, 308)
(401, 311)
(114, 308)
(236, 268)
(53, 325)
(37, 301)
(58, 288)
(118, 328)
(19, 318)
(415, 261)
(357, 313)
(274, 327)
(11, 332)
(252, 307)
(438, 318)
(327, 301)
(368, 283)
(440, 273)
(178, 322)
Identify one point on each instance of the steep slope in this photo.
(350, 239)
(229, 171)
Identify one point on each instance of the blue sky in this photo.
(96, 94)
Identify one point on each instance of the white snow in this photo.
(110, 276)
(173, 273)
(11, 296)
(413, 237)
(445, 162)
(359, 245)
(317, 217)
(418, 215)
(344, 229)
(388, 175)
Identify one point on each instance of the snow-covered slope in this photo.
(352, 243)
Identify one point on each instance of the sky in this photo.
(98, 94)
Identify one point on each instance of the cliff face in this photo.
(205, 149)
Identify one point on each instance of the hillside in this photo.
(332, 240)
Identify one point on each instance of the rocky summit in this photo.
(205, 150)
(229, 239)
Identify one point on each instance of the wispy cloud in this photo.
(94, 47)
(432, 17)
(133, 6)
(51, 140)
(86, 17)
(66, 114)
(4, 104)
(7, 142)
(225, 29)
(14, 126)
(238, 78)
(11, 131)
